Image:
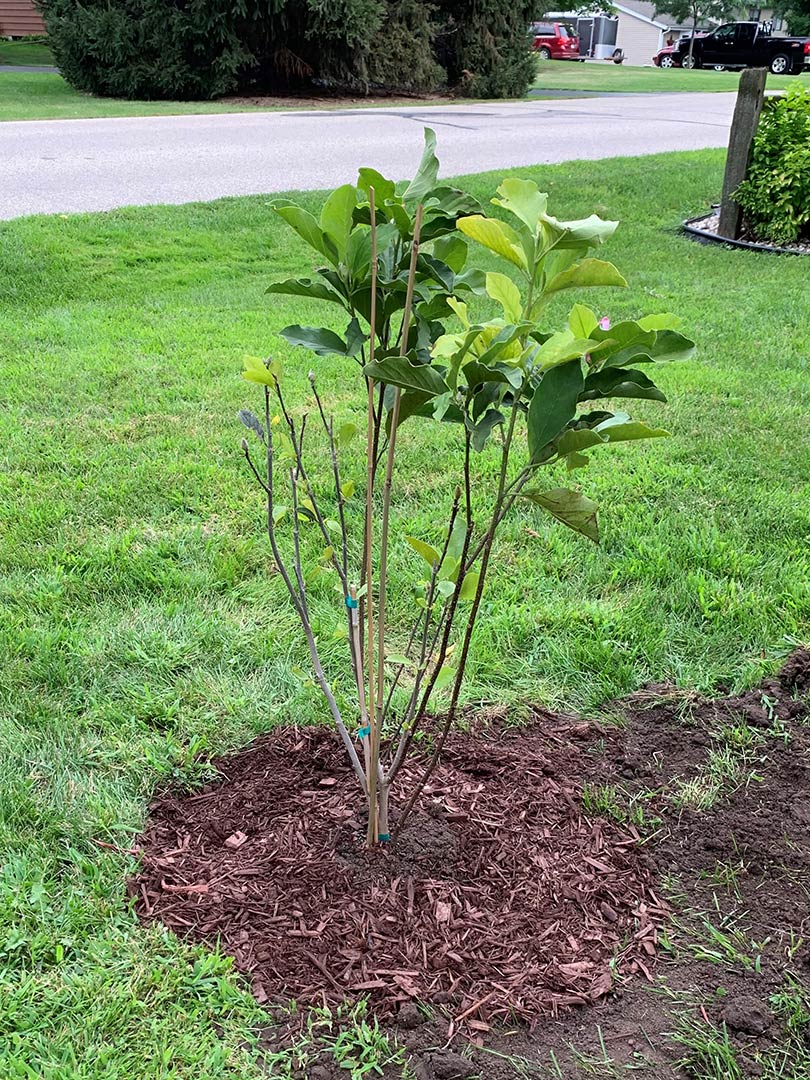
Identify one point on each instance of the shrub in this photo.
(398, 264)
(207, 48)
(775, 196)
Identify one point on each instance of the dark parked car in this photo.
(555, 41)
(744, 44)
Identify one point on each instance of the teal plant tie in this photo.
(350, 602)
(384, 837)
(363, 731)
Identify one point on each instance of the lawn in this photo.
(624, 79)
(140, 628)
(26, 53)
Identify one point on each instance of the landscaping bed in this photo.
(705, 228)
(654, 855)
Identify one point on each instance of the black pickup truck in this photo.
(743, 44)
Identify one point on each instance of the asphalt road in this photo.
(62, 166)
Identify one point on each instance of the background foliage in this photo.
(206, 48)
(776, 193)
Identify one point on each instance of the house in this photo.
(19, 18)
(642, 30)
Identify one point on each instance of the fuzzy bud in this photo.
(245, 445)
(311, 377)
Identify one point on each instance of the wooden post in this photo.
(750, 96)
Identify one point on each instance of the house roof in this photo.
(648, 13)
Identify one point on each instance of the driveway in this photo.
(62, 166)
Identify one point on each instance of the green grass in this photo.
(621, 78)
(46, 96)
(26, 53)
(139, 623)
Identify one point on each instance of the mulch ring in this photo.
(501, 900)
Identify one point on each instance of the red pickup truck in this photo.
(555, 41)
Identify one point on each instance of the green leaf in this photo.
(451, 250)
(505, 292)
(336, 216)
(660, 322)
(428, 553)
(484, 428)
(355, 338)
(582, 321)
(621, 428)
(572, 508)
(474, 373)
(469, 585)
(399, 371)
(446, 587)
(383, 189)
(671, 346)
(495, 235)
(428, 173)
(553, 406)
(575, 439)
(257, 371)
(399, 659)
(584, 275)
(590, 231)
(279, 513)
(620, 383)
(308, 229)
(313, 289)
(317, 339)
(347, 489)
(524, 199)
(346, 432)
(456, 544)
(561, 347)
(444, 678)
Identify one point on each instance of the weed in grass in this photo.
(708, 1054)
(729, 766)
(345, 1035)
(606, 800)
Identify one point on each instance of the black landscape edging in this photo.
(703, 236)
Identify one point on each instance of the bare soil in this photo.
(564, 899)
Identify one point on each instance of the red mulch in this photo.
(502, 899)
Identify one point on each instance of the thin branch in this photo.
(389, 466)
(373, 834)
(471, 618)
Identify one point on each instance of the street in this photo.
(64, 166)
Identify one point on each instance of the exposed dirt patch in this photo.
(541, 853)
(331, 101)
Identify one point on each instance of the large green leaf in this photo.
(336, 216)
(553, 406)
(428, 173)
(575, 439)
(572, 508)
(560, 347)
(312, 288)
(505, 292)
(582, 321)
(484, 428)
(319, 340)
(308, 229)
(399, 371)
(495, 235)
(591, 231)
(620, 428)
(452, 251)
(586, 274)
(620, 383)
(428, 553)
(383, 189)
(664, 321)
(524, 199)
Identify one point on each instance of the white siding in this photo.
(639, 40)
